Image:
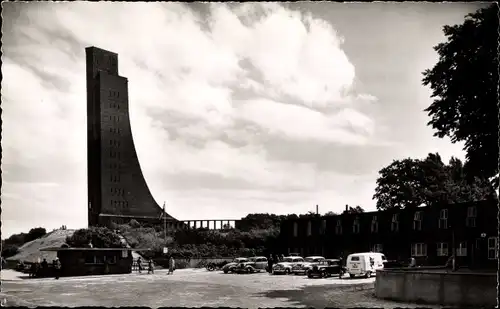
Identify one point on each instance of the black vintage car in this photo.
(325, 268)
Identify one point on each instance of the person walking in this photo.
(270, 264)
(139, 264)
(413, 262)
(57, 267)
(151, 269)
(171, 266)
(342, 268)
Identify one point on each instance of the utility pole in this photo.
(317, 209)
(164, 223)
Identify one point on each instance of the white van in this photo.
(364, 264)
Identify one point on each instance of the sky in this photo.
(235, 108)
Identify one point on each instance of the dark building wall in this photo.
(84, 262)
(397, 244)
(116, 185)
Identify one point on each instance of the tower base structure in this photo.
(117, 190)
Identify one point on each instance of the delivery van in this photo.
(364, 264)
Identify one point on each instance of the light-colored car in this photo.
(230, 266)
(252, 265)
(285, 266)
(302, 268)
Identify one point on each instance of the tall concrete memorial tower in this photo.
(117, 190)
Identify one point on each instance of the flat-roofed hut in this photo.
(94, 261)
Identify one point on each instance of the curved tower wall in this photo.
(117, 190)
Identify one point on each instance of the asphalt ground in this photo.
(193, 288)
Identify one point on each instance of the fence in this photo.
(181, 263)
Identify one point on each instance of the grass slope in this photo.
(30, 251)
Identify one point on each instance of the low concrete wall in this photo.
(434, 286)
(193, 262)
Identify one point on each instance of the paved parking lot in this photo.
(193, 288)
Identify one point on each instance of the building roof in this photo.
(92, 249)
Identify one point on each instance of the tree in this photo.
(9, 250)
(330, 214)
(464, 84)
(100, 237)
(353, 210)
(309, 214)
(410, 183)
(35, 233)
(398, 185)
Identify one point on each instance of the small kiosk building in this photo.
(94, 261)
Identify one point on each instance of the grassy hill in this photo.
(30, 251)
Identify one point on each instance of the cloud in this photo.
(215, 90)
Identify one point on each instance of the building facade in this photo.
(427, 233)
(94, 261)
(117, 190)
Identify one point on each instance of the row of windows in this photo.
(117, 191)
(105, 60)
(122, 204)
(417, 223)
(115, 130)
(113, 104)
(114, 142)
(94, 259)
(114, 94)
(420, 249)
(114, 165)
(442, 248)
(114, 177)
(114, 154)
(114, 118)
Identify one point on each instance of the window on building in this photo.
(111, 259)
(295, 229)
(355, 225)
(374, 227)
(377, 248)
(493, 248)
(470, 221)
(395, 223)
(417, 221)
(322, 229)
(90, 259)
(99, 259)
(478, 243)
(419, 249)
(309, 228)
(462, 248)
(442, 249)
(338, 227)
(443, 219)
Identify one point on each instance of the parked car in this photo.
(213, 265)
(229, 266)
(325, 268)
(395, 264)
(252, 265)
(285, 267)
(301, 268)
(365, 264)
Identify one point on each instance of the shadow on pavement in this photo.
(327, 295)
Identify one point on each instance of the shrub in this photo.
(9, 251)
(100, 237)
(181, 264)
(133, 223)
(35, 233)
